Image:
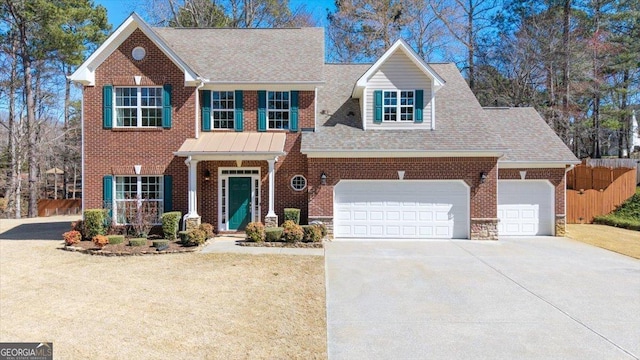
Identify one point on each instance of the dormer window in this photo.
(398, 105)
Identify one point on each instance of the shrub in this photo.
(195, 237)
(183, 235)
(273, 234)
(255, 232)
(100, 241)
(138, 241)
(93, 223)
(78, 226)
(312, 233)
(322, 226)
(159, 243)
(292, 232)
(170, 223)
(72, 237)
(208, 230)
(114, 229)
(292, 214)
(115, 239)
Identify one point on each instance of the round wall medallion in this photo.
(138, 53)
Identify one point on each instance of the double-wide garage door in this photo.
(401, 209)
(525, 207)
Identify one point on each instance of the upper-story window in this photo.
(138, 106)
(398, 105)
(222, 109)
(278, 106)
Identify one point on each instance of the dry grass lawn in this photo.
(202, 306)
(623, 241)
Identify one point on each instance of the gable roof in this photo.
(529, 138)
(463, 128)
(85, 74)
(399, 45)
(293, 55)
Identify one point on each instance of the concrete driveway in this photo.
(536, 298)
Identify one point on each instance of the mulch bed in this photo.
(308, 245)
(124, 249)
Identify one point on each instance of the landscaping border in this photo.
(300, 245)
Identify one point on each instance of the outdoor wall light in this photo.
(323, 178)
(207, 175)
(483, 177)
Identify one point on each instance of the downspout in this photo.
(197, 122)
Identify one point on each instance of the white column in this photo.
(271, 186)
(193, 184)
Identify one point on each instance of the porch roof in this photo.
(232, 145)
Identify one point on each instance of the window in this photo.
(398, 105)
(138, 106)
(222, 109)
(278, 109)
(298, 183)
(138, 196)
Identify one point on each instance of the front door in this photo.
(239, 202)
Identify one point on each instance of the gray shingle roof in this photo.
(528, 136)
(250, 55)
(461, 123)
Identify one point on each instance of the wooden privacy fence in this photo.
(49, 207)
(597, 191)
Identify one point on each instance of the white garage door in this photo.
(525, 207)
(401, 209)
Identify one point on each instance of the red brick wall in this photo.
(483, 196)
(124, 148)
(555, 176)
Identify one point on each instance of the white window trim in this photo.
(115, 199)
(139, 107)
(288, 111)
(399, 106)
(232, 110)
(295, 176)
(223, 223)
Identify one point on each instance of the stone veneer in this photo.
(271, 221)
(561, 225)
(191, 223)
(484, 229)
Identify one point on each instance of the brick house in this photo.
(234, 125)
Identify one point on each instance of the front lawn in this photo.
(626, 216)
(213, 306)
(623, 241)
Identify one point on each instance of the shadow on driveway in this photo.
(39, 231)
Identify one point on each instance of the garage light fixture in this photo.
(323, 178)
(483, 177)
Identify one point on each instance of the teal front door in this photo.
(239, 202)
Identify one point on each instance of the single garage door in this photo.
(401, 209)
(525, 207)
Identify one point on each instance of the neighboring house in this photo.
(235, 125)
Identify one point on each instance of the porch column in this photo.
(192, 219)
(271, 220)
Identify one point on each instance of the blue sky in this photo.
(118, 10)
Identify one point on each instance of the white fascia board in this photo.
(85, 74)
(503, 164)
(277, 86)
(208, 156)
(398, 154)
(362, 82)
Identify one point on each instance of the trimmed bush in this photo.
(138, 241)
(273, 234)
(115, 239)
(208, 230)
(292, 232)
(292, 214)
(183, 236)
(255, 232)
(312, 233)
(322, 226)
(170, 224)
(93, 223)
(72, 237)
(196, 237)
(159, 243)
(100, 241)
